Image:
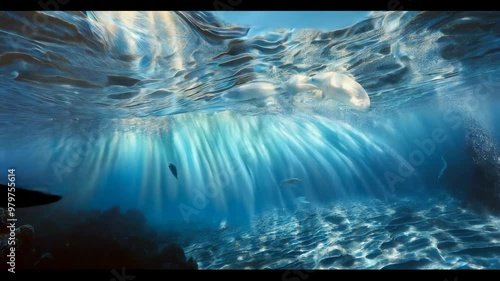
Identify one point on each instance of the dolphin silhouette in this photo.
(24, 198)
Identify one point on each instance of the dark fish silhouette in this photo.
(173, 169)
(24, 198)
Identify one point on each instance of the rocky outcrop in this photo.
(94, 240)
(172, 257)
(484, 190)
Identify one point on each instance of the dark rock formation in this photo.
(93, 240)
(484, 192)
(24, 254)
(172, 257)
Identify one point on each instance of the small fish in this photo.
(173, 169)
(290, 181)
(302, 200)
(23, 198)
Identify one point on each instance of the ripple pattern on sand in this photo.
(357, 235)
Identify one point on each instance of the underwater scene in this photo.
(249, 140)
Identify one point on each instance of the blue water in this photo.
(96, 106)
(265, 21)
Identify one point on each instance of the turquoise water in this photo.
(265, 21)
(271, 172)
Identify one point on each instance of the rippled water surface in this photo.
(112, 65)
